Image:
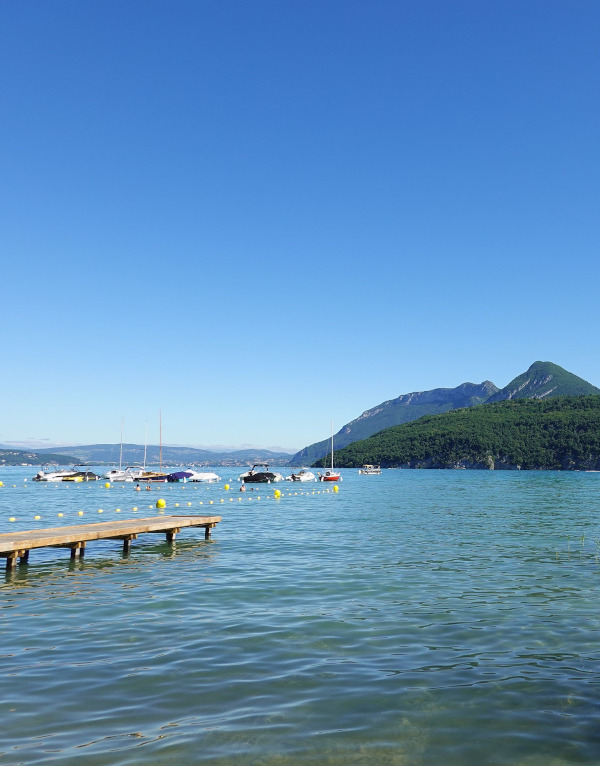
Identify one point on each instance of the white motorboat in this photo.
(370, 470)
(53, 475)
(254, 476)
(208, 477)
(303, 475)
(70, 474)
(131, 473)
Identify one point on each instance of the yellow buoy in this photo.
(80, 513)
(336, 488)
(107, 485)
(60, 514)
(37, 518)
(226, 486)
(277, 493)
(100, 510)
(135, 507)
(160, 503)
(12, 518)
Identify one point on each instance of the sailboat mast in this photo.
(145, 446)
(121, 452)
(332, 445)
(160, 438)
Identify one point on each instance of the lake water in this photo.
(417, 617)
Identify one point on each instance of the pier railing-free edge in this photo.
(16, 546)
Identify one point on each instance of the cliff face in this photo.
(394, 412)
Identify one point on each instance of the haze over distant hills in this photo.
(541, 380)
(134, 454)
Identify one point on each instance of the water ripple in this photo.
(433, 617)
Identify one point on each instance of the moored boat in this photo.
(71, 474)
(52, 475)
(189, 475)
(152, 476)
(196, 476)
(264, 476)
(131, 473)
(303, 475)
(209, 477)
(330, 474)
(370, 470)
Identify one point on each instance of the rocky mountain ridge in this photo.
(542, 379)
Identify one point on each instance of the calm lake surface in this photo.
(417, 617)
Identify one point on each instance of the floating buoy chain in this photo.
(161, 503)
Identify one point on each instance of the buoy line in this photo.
(161, 504)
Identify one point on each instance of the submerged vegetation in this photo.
(556, 433)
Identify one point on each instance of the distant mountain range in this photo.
(540, 381)
(133, 454)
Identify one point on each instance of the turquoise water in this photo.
(418, 617)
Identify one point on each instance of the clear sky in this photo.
(258, 216)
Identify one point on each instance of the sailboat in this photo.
(154, 475)
(330, 474)
(131, 473)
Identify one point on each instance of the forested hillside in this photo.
(541, 381)
(555, 433)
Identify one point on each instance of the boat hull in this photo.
(260, 478)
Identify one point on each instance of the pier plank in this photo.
(15, 545)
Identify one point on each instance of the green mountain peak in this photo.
(543, 380)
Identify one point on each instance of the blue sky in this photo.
(259, 216)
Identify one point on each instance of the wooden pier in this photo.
(16, 545)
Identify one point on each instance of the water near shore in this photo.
(418, 617)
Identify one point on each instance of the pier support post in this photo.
(207, 529)
(12, 556)
(77, 550)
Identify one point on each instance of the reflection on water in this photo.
(418, 617)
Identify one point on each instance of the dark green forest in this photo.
(556, 433)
